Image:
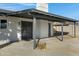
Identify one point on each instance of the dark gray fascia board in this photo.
(48, 14)
(53, 15)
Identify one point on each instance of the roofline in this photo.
(32, 10)
(51, 14)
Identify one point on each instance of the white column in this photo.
(34, 32)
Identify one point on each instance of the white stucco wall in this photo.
(13, 30)
(44, 28)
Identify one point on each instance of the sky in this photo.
(70, 10)
(17, 6)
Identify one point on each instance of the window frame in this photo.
(4, 23)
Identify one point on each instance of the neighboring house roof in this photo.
(40, 15)
(5, 11)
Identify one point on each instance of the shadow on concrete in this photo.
(37, 42)
(59, 38)
(7, 44)
(26, 39)
(58, 33)
(71, 36)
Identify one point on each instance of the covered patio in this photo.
(37, 15)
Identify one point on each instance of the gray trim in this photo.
(62, 32)
(74, 29)
(34, 11)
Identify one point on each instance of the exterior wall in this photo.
(43, 32)
(43, 28)
(13, 30)
(52, 31)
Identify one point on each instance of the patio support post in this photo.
(62, 32)
(52, 30)
(34, 32)
(74, 29)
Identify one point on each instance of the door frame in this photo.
(21, 29)
(49, 29)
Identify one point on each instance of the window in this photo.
(3, 24)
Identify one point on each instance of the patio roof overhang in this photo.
(29, 13)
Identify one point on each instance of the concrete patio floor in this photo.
(54, 47)
(69, 46)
